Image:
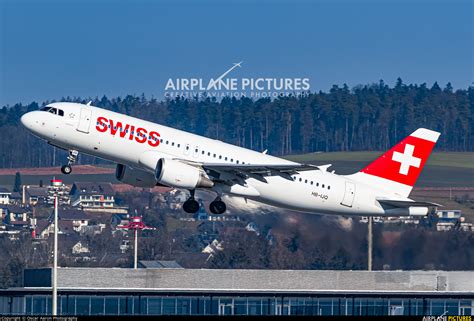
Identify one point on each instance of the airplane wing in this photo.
(257, 171)
(260, 168)
(397, 203)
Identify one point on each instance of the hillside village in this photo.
(92, 214)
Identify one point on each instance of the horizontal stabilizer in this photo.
(397, 203)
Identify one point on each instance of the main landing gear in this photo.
(192, 206)
(67, 169)
(217, 206)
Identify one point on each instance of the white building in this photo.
(92, 195)
(5, 196)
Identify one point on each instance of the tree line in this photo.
(366, 117)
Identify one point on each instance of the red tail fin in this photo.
(398, 169)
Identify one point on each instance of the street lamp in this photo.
(55, 191)
(135, 224)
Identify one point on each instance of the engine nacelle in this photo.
(180, 175)
(135, 177)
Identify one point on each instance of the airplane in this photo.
(149, 154)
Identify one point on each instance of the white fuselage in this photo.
(315, 191)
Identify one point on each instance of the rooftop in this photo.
(37, 191)
(14, 208)
(3, 190)
(92, 188)
(290, 281)
(69, 214)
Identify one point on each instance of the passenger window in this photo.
(306, 181)
(329, 187)
(237, 161)
(232, 160)
(203, 152)
(311, 182)
(166, 142)
(226, 158)
(220, 156)
(317, 184)
(208, 153)
(322, 186)
(179, 145)
(172, 143)
(187, 147)
(214, 155)
(301, 179)
(161, 140)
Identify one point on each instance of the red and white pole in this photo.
(55, 184)
(135, 257)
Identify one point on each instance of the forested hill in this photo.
(371, 117)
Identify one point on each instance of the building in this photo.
(80, 248)
(92, 195)
(13, 213)
(5, 195)
(15, 198)
(35, 195)
(45, 228)
(178, 291)
(449, 219)
(78, 218)
(119, 219)
(449, 215)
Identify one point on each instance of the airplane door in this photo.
(349, 194)
(84, 120)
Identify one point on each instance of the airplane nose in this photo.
(27, 120)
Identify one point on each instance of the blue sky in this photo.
(51, 49)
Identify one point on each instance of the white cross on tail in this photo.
(406, 159)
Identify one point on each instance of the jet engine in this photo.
(177, 174)
(135, 177)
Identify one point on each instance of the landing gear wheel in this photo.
(217, 207)
(66, 169)
(71, 159)
(191, 206)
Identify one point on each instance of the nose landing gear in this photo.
(67, 169)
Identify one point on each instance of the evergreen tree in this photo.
(17, 186)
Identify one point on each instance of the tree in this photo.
(17, 186)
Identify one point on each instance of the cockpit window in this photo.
(53, 110)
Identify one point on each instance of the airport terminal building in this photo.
(178, 291)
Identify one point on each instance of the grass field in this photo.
(461, 160)
(9, 180)
(442, 169)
